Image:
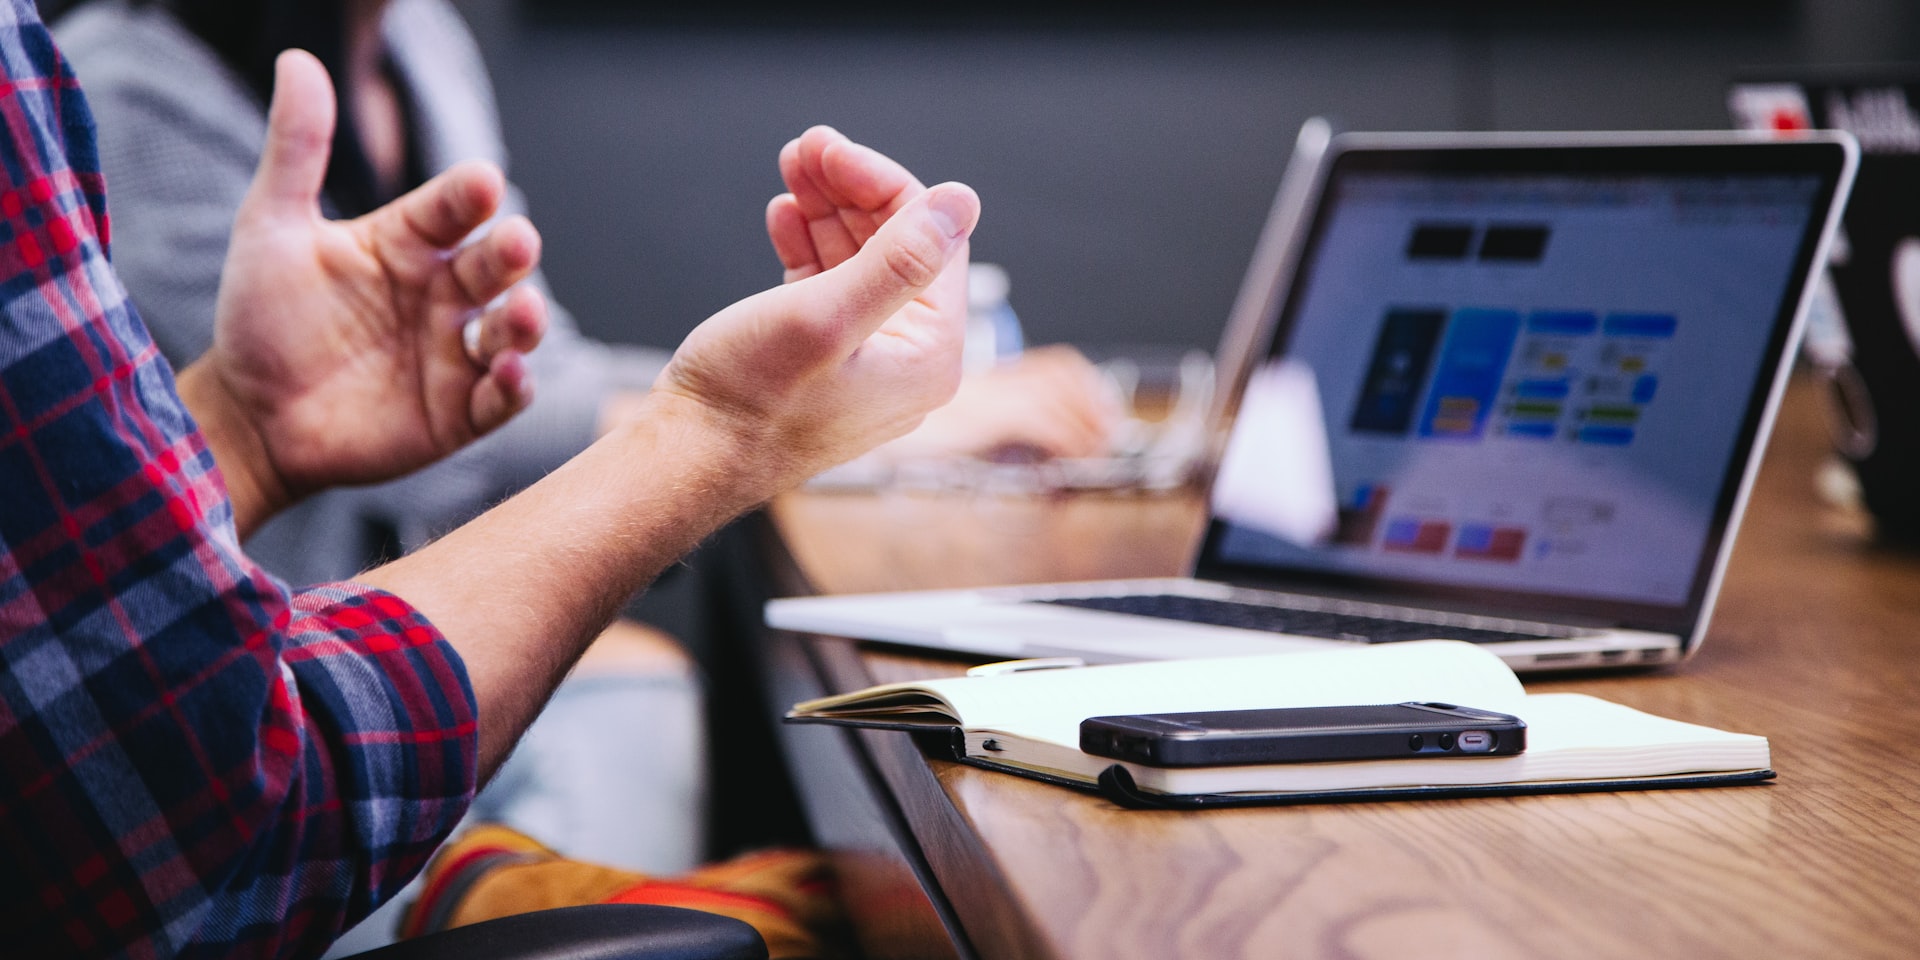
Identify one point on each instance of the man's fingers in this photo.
(787, 228)
(492, 264)
(866, 179)
(799, 183)
(902, 260)
(800, 168)
(843, 190)
(516, 324)
(504, 390)
(820, 210)
(293, 166)
(444, 210)
(847, 175)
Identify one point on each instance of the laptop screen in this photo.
(1539, 372)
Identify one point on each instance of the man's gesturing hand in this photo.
(761, 395)
(338, 354)
(864, 340)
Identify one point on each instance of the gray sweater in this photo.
(180, 136)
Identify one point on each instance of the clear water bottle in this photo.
(993, 329)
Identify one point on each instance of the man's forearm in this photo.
(521, 590)
(244, 465)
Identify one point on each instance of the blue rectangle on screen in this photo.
(1641, 324)
(1474, 538)
(1543, 389)
(1531, 429)
(1403, 531)
(1564, 322)
(1607, 436)
(1644, 387)
(1362, 496)
(1402, 358)
(1467, 377)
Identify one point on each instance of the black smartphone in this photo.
(1304, 734)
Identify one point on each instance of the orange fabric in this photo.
(680, 894)
(785, 894)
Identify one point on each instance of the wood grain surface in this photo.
(1816, 645)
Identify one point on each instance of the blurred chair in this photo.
(595, 932)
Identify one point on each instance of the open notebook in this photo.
(1028, 723)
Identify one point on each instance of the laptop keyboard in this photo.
(1307, 623)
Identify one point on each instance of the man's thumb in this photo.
(904, 257)
(293, 168)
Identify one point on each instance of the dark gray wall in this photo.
(1125, 168)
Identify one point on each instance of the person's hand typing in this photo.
(1047, 402)
(338, 352)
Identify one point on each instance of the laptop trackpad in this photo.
(1024, 631)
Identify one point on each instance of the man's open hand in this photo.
(865, 337)
(338, 353)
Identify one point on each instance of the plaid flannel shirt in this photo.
(194, 760)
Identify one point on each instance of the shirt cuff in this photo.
(390, 722)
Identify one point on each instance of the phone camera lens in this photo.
(1446, 741)
(1415, 742)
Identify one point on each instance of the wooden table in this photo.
(1816, 645)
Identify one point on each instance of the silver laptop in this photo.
(1540, 370)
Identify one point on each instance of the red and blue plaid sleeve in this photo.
(194, 761)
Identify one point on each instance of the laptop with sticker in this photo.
(1863, 334)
